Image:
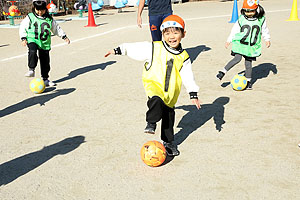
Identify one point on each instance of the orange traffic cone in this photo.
(91, 19)
(294, 12)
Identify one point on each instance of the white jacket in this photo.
(142, 51)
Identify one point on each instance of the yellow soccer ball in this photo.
(238, 82)
(37, 86)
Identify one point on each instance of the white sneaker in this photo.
(30, 73)
(49, 83)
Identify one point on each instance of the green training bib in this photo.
(39, 31)
(248, 41)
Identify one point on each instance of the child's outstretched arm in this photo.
(138, 51)
(57, 30)
(188, 81)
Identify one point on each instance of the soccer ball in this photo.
(153, 153)
(37, 86)
(238, 82)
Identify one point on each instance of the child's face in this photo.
(40, 12)
(250, 13)
(173, 37)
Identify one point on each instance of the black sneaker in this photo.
(150, 128)
(249, 85)
(220, 75)
(171, 149)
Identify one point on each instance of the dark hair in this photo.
(176, 28)
(260, 12)
(41, 5)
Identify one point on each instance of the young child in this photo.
(246, 38)
(166, 66)
(35, 33)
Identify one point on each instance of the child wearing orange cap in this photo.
(167, 65)
(245, 37)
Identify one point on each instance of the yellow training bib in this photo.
(161, 77)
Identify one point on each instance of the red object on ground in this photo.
(91, 19)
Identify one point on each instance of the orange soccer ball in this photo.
(153, 153)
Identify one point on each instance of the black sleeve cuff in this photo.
(193, 95)
(64, 37)
(23, 38)
(118, 51)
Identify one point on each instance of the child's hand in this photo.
(139, 21)
(24, 43)
(110, 52)
(67, 40)
(196, 102)
(227, 44)
(268, 44)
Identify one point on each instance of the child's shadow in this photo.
(13, 169)
(258, 72)
(83, 70)
(195, 51)
(196, 118)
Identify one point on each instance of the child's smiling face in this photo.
(173, 36)
(250, 13)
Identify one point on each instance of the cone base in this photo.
(293, 19)
(90, 26)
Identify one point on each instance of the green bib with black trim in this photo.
(162, 76)
(39, 31)
(248, 41)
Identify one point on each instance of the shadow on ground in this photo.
(195, 51)
(41, 99)
(194, 119)
(258, 72)
(84, 70)
(20, 166)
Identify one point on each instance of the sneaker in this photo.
(49, 83)
(30, 73)
(249, 85)
(150, 128)
(171, 149)
(220, 75)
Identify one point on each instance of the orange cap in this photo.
(172, 21)
(250, 4)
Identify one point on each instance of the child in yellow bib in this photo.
(166, 67)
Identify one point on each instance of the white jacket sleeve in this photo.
(235, 29)
(187, 77)
(24, 27)
(265, 32)
(57, 30)
(141, 51)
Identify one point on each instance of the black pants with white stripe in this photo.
(159, 111)
(43, 56)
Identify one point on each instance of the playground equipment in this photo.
(294, 12)
(120, 4)
(12, 12)
(52, 7)
(235, 14)
(97, 5)
(138, 2)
